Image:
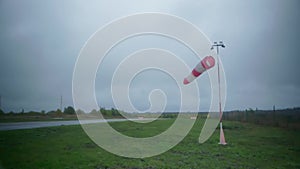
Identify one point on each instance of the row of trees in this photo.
(287, 118)
(67, 111)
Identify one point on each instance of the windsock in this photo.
(205, 64)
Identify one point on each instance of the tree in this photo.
(94, 112)
(79, 111)
(103, 111)
(1, 112)
(58, 112)
(69, 110)
(115, 112)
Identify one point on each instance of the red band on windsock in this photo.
(195, 73)
(205, 64)
(208, 62)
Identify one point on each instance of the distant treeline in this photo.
(67, 111)
(285, 118)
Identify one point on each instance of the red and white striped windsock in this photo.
(205, 64)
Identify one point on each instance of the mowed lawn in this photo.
(249, 146)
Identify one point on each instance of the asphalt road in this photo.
(39, 124)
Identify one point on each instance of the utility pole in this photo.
(217, 45)
(0, 102)
(61, 102)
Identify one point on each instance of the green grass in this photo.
(249, 146)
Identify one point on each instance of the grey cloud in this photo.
(40, 41)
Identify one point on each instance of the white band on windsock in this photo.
(205, 64)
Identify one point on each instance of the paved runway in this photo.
(39, 124)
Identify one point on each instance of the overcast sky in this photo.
(40, 42)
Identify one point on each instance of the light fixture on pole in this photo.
(222, 137)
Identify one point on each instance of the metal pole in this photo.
(222, 137)
(219, 85)
(217, 45)
(61, 103)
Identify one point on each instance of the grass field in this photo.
(249, 146)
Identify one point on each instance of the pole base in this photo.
(222, 136)
(223, 144)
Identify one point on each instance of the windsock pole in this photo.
(222, 136)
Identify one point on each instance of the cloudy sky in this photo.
(40, 42)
